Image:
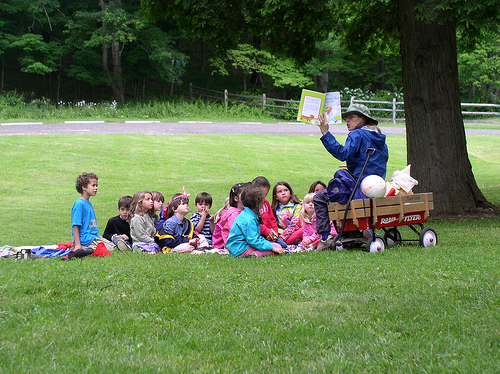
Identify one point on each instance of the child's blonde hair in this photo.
(136, 204)
(221, 210)
(304, 217)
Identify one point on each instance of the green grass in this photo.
(409, 309)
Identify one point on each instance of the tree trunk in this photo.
(2, 77)
(115, 80)
(322, 81)
(202, 54)
(436, 143)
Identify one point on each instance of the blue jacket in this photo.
(174, 232)
(353, 152)
(245, 232)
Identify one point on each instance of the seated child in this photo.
(158, 200)
(286, 207)
(268, 227)
(223, 225)
(310, 238)
(202, 220)
(163, 212)
(83, 219)
(244, 238)
(142, 228)
(177, 233)
(317, 186)
(118, 228)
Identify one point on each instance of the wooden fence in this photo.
(394, 107)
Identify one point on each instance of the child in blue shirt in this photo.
(177, 232)
(244, 238)
(83, 220)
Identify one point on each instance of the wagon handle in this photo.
(370, 151)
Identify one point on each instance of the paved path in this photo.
(172, 128)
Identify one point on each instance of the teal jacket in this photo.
(245, 232)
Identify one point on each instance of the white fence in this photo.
(394, 107)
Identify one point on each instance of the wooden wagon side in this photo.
(383, 212)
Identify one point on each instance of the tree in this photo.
(126, 46)
(249, 59)
(479, 69)
(436, 142)
(289, 27)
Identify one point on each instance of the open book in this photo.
(313, 103)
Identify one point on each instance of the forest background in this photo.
(67, 52)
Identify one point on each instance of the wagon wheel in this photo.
(428, 237)
(377, 245)
(337, 244)
(392, 237)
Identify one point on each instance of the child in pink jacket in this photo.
(310, 238)
(227, 217)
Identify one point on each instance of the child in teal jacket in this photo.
(244, 238)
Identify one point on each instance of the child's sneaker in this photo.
(122, 246)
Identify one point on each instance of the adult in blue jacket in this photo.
(364, 133)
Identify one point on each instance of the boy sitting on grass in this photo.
(177, 232)
(83, 219)
(118, 228)
(202, 219)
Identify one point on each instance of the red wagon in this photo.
(386, 213)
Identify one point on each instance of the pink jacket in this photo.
(309, 230)
(223, 226)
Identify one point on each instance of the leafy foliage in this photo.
(249, 59)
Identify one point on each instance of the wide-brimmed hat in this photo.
(360, 110)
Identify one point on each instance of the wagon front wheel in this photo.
(377, 245)
(428, 237)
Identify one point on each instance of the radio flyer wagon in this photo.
(386, 213)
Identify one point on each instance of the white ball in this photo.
(373, 186)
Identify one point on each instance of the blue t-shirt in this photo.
(83, 215)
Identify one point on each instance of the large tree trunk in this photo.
(436, 143)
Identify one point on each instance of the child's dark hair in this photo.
(262, 182)
(312, 189)
(293, 198)
(177, 200)
(125, 202)
(252, 197)
(203, 197)
(158, 196)
(235, 191)
(83, 180)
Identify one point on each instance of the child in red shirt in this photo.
(268, 226)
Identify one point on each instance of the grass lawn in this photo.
(408, 309)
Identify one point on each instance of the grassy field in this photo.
(408, 309)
